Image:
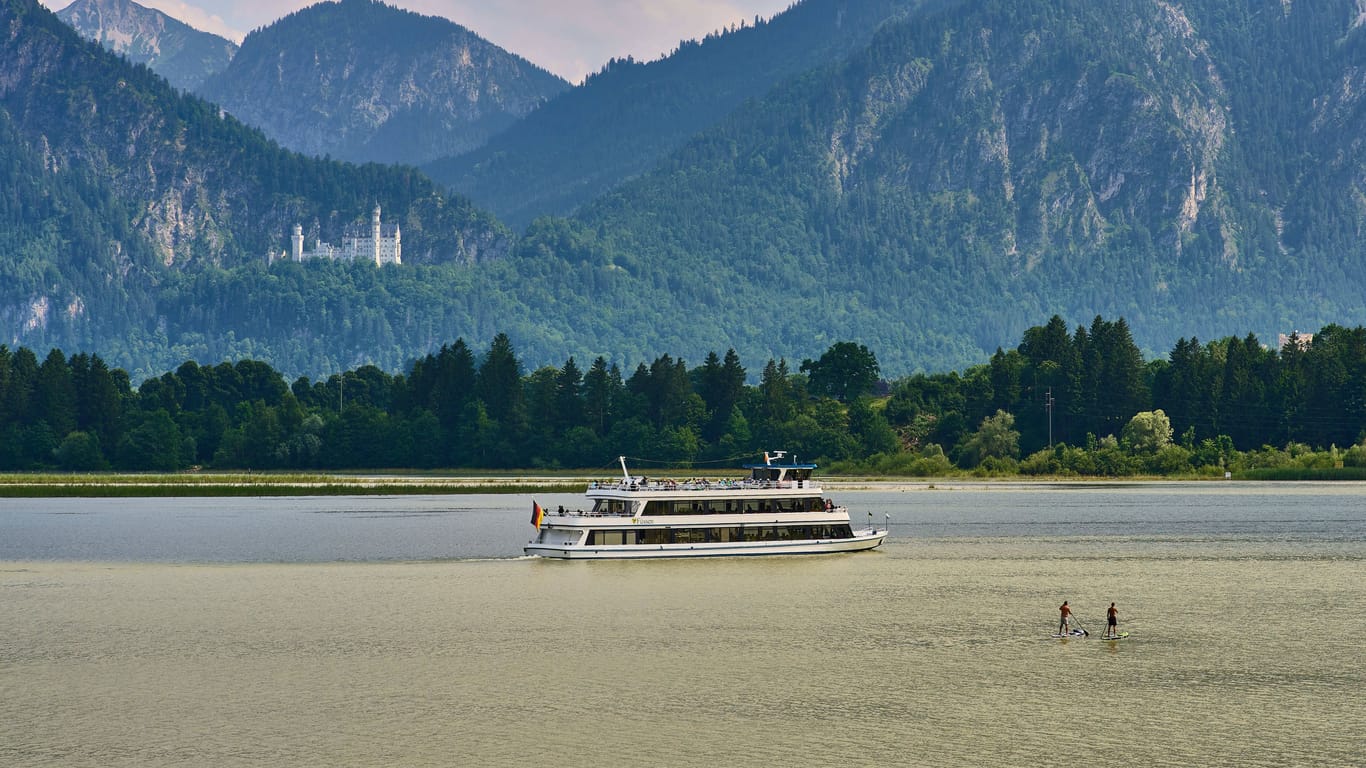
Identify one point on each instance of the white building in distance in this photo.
(378, 244)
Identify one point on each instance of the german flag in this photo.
(536, 514)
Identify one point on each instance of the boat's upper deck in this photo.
(763, 479)
(698, 486)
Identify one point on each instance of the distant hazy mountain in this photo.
(627, 117)
(178, 52)
(363, 81)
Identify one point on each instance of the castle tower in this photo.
(297, 243)
(375, 235)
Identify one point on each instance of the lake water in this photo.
(409, 631)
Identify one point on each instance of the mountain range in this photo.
(173, 49)
(629, 116)
(927, 178)
(362, 81)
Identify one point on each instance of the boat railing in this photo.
(699, 485)
(562, 512)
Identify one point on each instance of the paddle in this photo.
(1084, 633)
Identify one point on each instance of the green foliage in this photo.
(846, 371)
(1147, 432)
(996, 439)
(453, 408)
(80, 452)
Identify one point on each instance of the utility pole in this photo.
(1048, 405)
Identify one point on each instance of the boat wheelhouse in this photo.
(778, 510)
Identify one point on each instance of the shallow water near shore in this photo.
(1245, 606)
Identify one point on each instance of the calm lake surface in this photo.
(409, 631)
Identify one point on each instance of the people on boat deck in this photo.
(1112, 621)
(1065, 621)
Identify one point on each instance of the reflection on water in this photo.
(1245, 650)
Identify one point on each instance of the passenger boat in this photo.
(777, 510)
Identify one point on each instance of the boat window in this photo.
(691, 535)
(611, 507)
(657, 507)
(656, 536)
(606, 538)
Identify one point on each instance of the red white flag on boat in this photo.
(536, 514)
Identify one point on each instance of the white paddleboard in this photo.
(1073, 633)
(1120, 636)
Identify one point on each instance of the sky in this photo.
(572, 38)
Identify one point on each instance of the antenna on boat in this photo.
(624, 474)
(870, 521)
(888, 529)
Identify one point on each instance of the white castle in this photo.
(380, 245)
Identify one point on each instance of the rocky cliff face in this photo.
(178, 52)
(362, 81)
(1190, 166)
(1062, 137)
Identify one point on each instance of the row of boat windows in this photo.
(718, 535)
(656, 507)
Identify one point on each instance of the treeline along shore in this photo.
(1065, 402)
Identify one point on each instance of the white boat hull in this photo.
(865, 539)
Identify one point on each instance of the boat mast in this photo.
(624, 474)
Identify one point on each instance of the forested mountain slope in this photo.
(119, 189)
(622, 120)
(989, 161)
(363, 81)
(183, 55)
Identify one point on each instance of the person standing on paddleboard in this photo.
(1112, 621)
(1064, 623)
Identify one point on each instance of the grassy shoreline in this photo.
(199, 484)
(244, 484)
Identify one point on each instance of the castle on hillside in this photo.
(378, 244)
(1301, 340)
